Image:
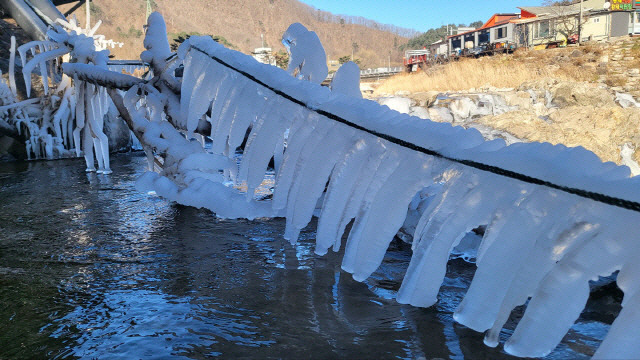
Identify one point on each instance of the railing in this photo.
(377, 72)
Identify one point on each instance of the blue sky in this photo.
(421, 15)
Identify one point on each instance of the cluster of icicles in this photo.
(540, 244)
(70, 116)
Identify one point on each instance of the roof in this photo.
(495, 20)
(499, 19)
(529, 12)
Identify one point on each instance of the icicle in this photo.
(311, 176)
(504, 250)
(225, 110)
(353, 173)
(80, 114)
(463, 205)
(199, 86)
(243, 118)
(39, 60)
(299, 148)
(12, 63)
(221, 98)
(381, 217)
(562, 294)
(262, 139)
(620, 343)
(43, 72)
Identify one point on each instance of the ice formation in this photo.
(70, 115)
(347, 80)
(307, 59)
(362, 162)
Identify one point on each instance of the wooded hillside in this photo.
(241, 23)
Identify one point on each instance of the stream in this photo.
(91, 268)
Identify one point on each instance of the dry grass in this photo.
(464, 75)
(499, 71)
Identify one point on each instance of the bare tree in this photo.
(565, 18)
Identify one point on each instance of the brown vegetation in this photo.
(509, 71)
(241, 22)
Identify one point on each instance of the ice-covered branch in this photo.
(539, 232)
(100, 77)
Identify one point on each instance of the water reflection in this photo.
(90, 268)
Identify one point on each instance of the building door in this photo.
(620, 23)
(636, 22)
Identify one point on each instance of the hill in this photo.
(242, 22)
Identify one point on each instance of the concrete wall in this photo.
(510, 36)
(596, 27)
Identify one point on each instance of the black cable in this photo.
(606, 199)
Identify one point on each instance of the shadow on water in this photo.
(90, 268)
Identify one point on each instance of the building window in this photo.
(544, 29)
(501, 32)
(596, 20)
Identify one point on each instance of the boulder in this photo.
(462, 108)
(399, 104)
(11, 149)
(576, 93)
(419, 111)
(626, 100)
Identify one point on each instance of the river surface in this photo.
(91, 268)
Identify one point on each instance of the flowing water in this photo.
(91, 268)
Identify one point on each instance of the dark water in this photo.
(90, 268)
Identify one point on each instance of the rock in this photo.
(626, 153)
(604, 59)
(366, 88)
(420, 112)
(571, 93)
(399, 104)
(626, 100)
(576, 53)
(462, 108)
(634, 72)
(628, 58)
(426, 99)
(616, 57)
(11, 149)
(519, 100)
(402, 93)
(602, 68)
(602, 130)
(440, 114)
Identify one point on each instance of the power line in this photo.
(602, 198)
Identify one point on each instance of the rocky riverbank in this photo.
(602, 115)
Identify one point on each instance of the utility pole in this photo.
(148, 8)
(88, 9)
(580, 25)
